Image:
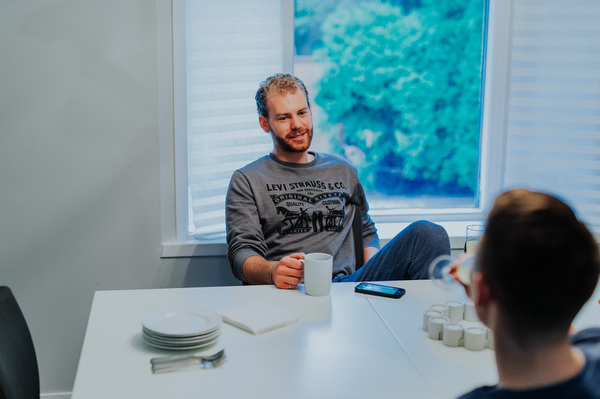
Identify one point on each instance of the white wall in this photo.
(79, 168)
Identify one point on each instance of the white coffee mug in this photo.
(318, 271)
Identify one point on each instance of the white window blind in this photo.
(553, 129)
(231, 46)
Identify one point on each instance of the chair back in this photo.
(357, 232)
(19, 375)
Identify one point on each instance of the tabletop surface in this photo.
(344, 345)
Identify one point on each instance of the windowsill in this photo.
(456, 231)
(195, 248)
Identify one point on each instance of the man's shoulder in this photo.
(323, 158)
(588, 341)
(332, 159)
(267, 164)
(589, 335)
(482, 392)
(257, 164)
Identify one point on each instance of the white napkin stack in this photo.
(258, 317)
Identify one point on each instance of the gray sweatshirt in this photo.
(275, 208)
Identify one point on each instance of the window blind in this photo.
(553, 129)
(231, 46)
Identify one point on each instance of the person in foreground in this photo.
(535, 267)
(294, 201)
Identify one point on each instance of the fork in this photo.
(173, 363)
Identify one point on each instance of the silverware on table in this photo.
(178, 362)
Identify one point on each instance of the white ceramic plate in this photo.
(151, 339)
(179, 347)
(182, 341)
(184, 322)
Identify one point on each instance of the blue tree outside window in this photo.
(397, 89)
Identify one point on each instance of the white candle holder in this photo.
(442, 322)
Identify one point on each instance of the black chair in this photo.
(357, 232)
(19, 375)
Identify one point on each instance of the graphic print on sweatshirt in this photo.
(309, 207)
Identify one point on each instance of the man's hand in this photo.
(288, 272)
(368, 253)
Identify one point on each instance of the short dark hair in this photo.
(541, 262)
(277, 84)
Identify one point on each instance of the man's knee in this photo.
(431, 234)
(427, 228)
(422, 234)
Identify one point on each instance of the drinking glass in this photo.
(474, 233)
(447, 271)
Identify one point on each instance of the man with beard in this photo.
(270, 203)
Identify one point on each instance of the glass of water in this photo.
(474, 233)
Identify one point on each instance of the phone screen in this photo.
(378, 289)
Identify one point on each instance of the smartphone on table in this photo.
(380, 290)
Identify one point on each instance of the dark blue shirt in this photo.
(585, 385)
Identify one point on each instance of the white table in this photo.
(450, 371)
(344, 345)
(444, 366)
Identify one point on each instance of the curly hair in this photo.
(277, 84)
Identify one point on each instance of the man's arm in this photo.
(257, 270)
(246, 244)
(245, 239)
(285, 273)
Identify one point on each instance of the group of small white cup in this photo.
(442, 323)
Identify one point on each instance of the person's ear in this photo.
(481, 293)
(264, 123)
(482, 290)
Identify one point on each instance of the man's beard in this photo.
(287, 145)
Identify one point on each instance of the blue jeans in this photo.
(406, 257)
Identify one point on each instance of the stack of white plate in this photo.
(181, 329)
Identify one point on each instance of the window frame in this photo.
(173, 134)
